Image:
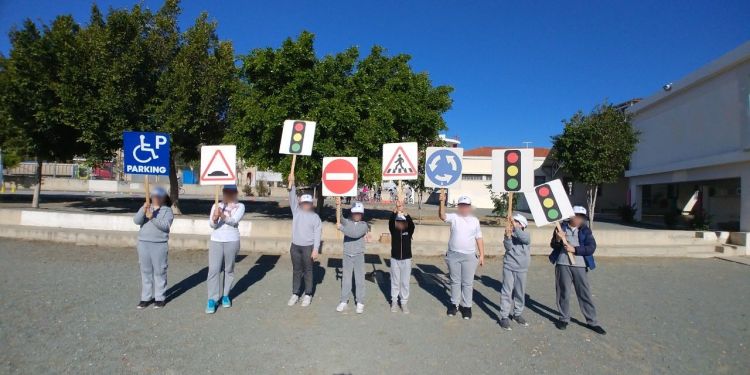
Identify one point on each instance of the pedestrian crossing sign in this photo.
(399, 161)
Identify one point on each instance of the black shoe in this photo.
(561, 325)
(520, 320)
(505, 324)
(159, 304)
(143, 304)
(598, 329)
(452, 310)
(466, 312)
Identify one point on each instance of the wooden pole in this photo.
(294, 162)
(571, 257)
(148, 190)
(510, 208)
(400, 194)
(216, 196)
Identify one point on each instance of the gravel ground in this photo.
(70, 309)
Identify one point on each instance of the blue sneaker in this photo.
(211, 307)
(226, 302)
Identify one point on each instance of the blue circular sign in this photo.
(443, 167)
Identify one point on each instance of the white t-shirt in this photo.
(464, 233)
(227, 231)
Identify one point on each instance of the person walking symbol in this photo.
(399, 163)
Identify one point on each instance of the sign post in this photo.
(146, 153)
(218, 167)
(549, 204)
(297, 139)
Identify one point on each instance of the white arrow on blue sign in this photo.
(443, 167)
(145, 153)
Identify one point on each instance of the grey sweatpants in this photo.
(400, 276)
(461, 268)
(221, 253)
(578, 276)
(302, 266)
(353, 264)
(152, 256)
(513, 292)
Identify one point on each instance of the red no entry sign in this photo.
(340, 177)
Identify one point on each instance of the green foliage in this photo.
(701, 220)
(500, 202)
(596, 148)
(358, 104)
(627, 213)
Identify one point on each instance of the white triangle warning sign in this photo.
(398, 161)
(217, 165)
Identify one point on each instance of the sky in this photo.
(518, 67)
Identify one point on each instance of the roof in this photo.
(486, 151)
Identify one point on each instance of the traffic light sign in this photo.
(549, 203)
(512, 170)
(297, 137)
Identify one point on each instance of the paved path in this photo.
(70, 309)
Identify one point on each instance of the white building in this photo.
(694, 149)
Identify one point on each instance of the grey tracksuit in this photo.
(306, 232)
(354, 259)
(152, 251)
(515, 268)
(577, 275)
(461, 268)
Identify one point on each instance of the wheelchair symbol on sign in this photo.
(146, 148)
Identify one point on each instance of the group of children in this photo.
(572, 254)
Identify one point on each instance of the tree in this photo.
(31, 105)
(358, 104)
(596, 148)
(193, 94)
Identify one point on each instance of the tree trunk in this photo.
(321, 200)
(174, 186)
(591, 194)
(38, 187)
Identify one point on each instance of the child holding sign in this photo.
(401, 227)
(354, 230)
(306, 232)
(461, 258)
(223, 246)
(155, 219)
(515, 267)
(581, 243)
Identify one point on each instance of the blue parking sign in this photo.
(146, 153)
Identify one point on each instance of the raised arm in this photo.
(293, 200)
(392, 222)
(140, 216)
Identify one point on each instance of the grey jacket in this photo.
(156, 229)
(306, 225)
(354, 236)
(517, 251)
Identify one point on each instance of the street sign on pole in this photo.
(399, 161)
(512, 170)
(297, 137)
(443, 167)
(340, 177)
(145, 153)
(218, 165)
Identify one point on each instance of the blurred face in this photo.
(465, 209)
(229, 196)
(356, 216)
(306, 206)
(400, 225)
(576, 221)
(157, 200)
(517, 224)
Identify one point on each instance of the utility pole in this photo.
(527, 143)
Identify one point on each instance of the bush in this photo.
(701, 220)
(262, 188)
(248, 190)
(500, 201)
(671, 218)
(627, 213)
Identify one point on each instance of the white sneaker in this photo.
(341, 307)
(306, 299)
(394, 307)
(360, 308)
(292, 300)
(404, 308)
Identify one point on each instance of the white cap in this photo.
(464, 200)
(305, 198)
(358, 208)
(521, 219)
(579, 210)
